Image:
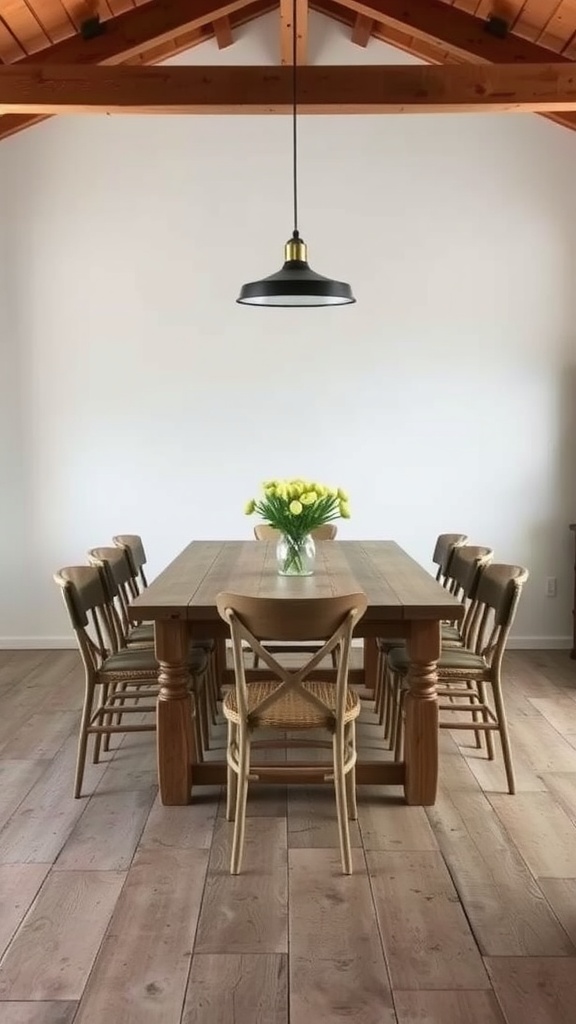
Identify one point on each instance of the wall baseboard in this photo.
(37, 643)
(540, 643)
(63, 643)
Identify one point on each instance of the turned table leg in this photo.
(421, 709)
(175, 737)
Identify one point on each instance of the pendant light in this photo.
(295, 284)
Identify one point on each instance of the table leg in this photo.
(421, 709)
(175, 737)
(370, 662)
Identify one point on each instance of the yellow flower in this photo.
(331, 492)
(321, 491)
(282, 491)
(342, 495)
(309, 498)
(294, 488)
(249, 507)
(344, 510)
(295, 508)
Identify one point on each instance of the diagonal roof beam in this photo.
(140, 27)
(463, 35)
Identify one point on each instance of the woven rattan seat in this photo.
(292, 711)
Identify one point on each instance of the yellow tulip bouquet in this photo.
(296, 508)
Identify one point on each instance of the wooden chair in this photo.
(113, 563)
(263, 531)
(445, 549)
(120, 576)
(119, 679)
(290, 700)
(465, 673)
(466, 565)
(446, 543)
(136, 555)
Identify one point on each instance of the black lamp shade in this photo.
(296, 284)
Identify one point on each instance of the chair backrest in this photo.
(466, 565)
(118, 577)
(263, 531)
(498, 593)
(256, 619)
(444, 548)
(87, 601)
(136, 555)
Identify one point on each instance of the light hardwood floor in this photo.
(114, 908)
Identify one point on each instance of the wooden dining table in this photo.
(404, 600)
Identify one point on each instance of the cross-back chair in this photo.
(466, 674)
(291, 700)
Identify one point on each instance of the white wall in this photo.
(139, 397)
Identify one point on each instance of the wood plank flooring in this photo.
(114, 908)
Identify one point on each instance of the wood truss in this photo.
(59, 77)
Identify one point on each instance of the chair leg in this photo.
(395, 710)
(83, 739)
(399, 734)
(196, 725)
(105, 719)
(241, 795)
(504, 736)
(350, 748)
(232, 777)
(378, 687)
(477, 715)
(338, 748)
(487, 732)
(389, 703)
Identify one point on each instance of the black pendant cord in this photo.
(294, 125)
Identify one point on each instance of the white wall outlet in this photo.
(551, 586)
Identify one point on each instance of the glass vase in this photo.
(295, 555)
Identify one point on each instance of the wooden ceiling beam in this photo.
(267, 90)
(286, 31)
(362, 30)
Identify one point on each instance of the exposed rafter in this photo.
(286, 32)
(386, 89)
(462, 33)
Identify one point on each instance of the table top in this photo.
(397, 587)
